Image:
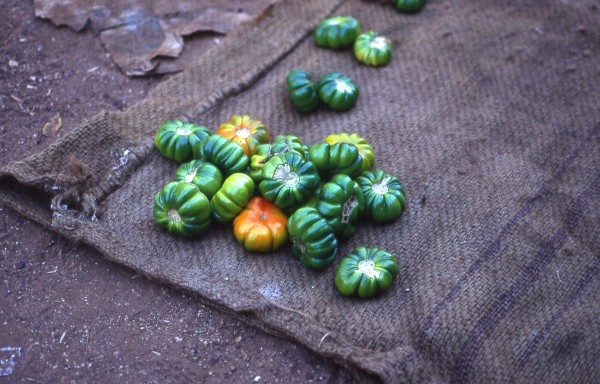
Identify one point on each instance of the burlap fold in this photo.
(489, 114)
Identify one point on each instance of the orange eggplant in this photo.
(261, 226)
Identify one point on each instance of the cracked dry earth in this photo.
(68, 315)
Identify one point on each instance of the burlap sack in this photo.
(489, 113)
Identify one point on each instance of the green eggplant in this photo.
(287, 143)
(181, 209)
(365, 150)
(302, 90)
(337, 91)
(233, 196)
(365, 272)
(206, 176)
(409, 6)
(373, 49)
(331, 159)
(337, 32)
(228, 156)
(289, 180)
(340, 203)
(175, 139)
(384, 196)
(264, 153)
(313, 240)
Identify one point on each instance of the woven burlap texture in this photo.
(489, 114)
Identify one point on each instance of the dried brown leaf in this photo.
(52, 126)
(140, 35)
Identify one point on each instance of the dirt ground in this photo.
(68, 315)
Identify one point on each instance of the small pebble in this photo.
(20, 265)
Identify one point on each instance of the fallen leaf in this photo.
(52, 126)
(72, 13)
(144, 36)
